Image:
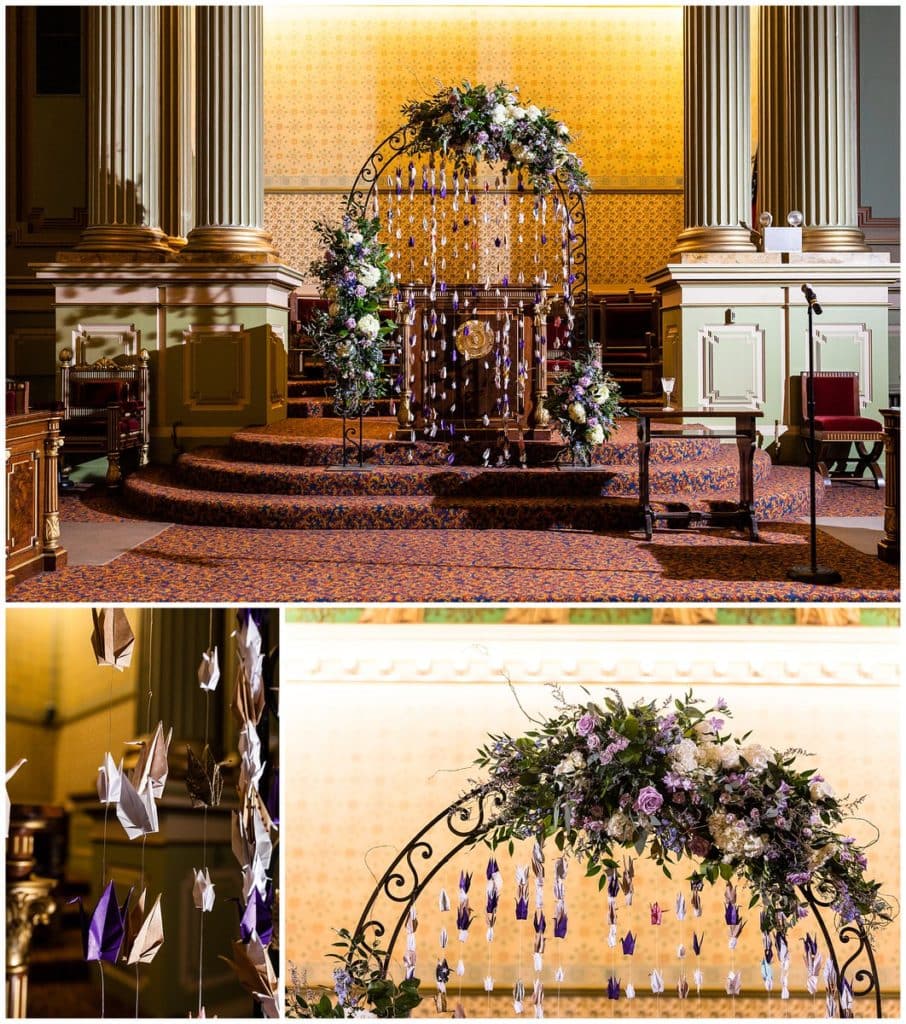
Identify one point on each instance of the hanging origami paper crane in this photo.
(137, 811)
(209, 670)
(112, 638)
(203, 891)
(250, 765)
(255, 972)
(103, 932)
(203, 779)
(109, 776)
(257, 918)
(7, 804)
(248, 698)
(144, 935)
(152, 767)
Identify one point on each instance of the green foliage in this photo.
(469, 124)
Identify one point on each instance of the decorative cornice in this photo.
(662, 656)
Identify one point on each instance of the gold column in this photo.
(177, 130)
(229, 182)
(717, 129)
(124, 134)
(773, 115)
(823, 136)
(50, 515)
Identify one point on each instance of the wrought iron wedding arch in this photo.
(470, 820)
(401, 143)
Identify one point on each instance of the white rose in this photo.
(562, 129)
(369, 325)
(356, 238)
(574, 763)
(577, 412)
(756, 755)
(532, 112)
(600, 393)
(708, 755)
(682, 756)
(499, 114)
(595, 434)
(368, 275)
(620, 827)
(753, 846)
(729, 755)
(819, 789)
(518, 113)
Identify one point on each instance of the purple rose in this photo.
(482, 137)
(586, 724)
(350, 323)
(585, 382)
(361, 291)
(649, 801)
(593, 741)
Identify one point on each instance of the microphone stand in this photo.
(812, 573)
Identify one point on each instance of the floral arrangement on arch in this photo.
(477, 123)
(355, 280)
(584, 402)
(671, 779)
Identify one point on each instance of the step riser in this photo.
(484, 484)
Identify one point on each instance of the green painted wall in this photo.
(879, 109)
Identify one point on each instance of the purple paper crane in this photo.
(613, 884)
(103, 932)
(465, 881)
(464, 918)
(492, 869)
(493, 900)
(560, 924)
(540, 922)
(628, 944)
(613, 988)
(522, 908)
(256, 917)
(697, 942)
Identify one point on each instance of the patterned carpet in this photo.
(218, 564)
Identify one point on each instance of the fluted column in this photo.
(177, 151)
(823, 127)
(717, 125)
(124, 132)
(773, 115)
(229, 183)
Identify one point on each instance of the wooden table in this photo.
(744, 433)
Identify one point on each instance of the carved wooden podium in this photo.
(474, 362)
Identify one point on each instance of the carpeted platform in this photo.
(187, 563)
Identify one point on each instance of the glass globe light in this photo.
(794, 219)
(765, 219)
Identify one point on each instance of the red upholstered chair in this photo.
(105, 410)
(839, 425)
(17, 400)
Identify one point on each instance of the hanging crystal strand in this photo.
(657, 975)
(409, 956)
(494, 887)
(767, 958)
(627, 885)
(783, 959)
(522, 905)
(682, 984)
(442, 970)
(613, 891)
(561, 921)
(735, 925)
(812, 965)
(696, 885)
(539, 924)
(464, 919)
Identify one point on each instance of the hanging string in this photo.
(204, 826)
(141, 887)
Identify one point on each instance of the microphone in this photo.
(812, 299)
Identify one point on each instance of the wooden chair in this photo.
(839, 425)
(105, 410)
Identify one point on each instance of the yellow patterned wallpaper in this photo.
(614, 74)
(377, 761)
(335, 79)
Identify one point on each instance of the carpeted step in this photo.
(313, 406)
(316, 443)
(302, 388)
(213, 469)
(161, 494)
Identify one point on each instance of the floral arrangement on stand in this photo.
(672, 780)
(584, 402)
(478, 123)
(355, 280)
